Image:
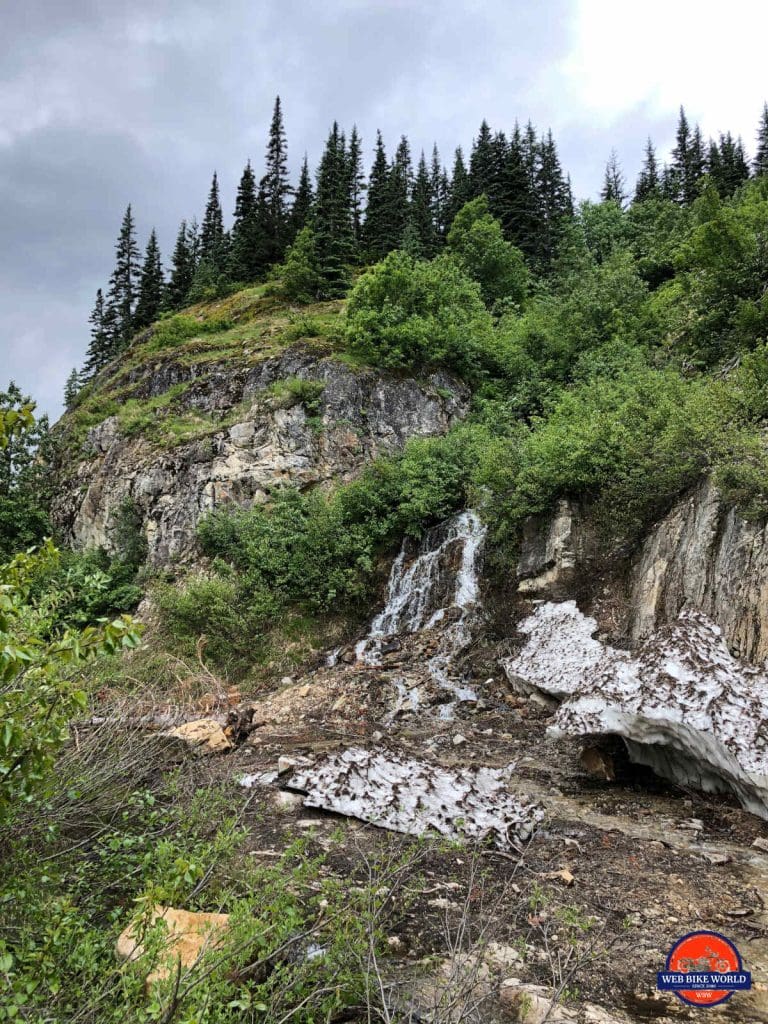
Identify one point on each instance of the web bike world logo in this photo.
(704, 969)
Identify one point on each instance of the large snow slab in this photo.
(405, 795)
(681, 701)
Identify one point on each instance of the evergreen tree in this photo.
(151, 285)
(301, 210)
(276, 189)
(301, 274)
(246, 249)
(518, 206)
(613, 190)
(727, 165)
(760, 163)
(213, 240)
(182, 267)
(688, 163)
(356, 182)
(100, 345)
(555, 203)
(461, 188)
(439, 188)
(482, 162)
(420, 219)
(648, 182)
(118, 319)
(71, 389)
(376, 231)
(399, 186)
(334, 234)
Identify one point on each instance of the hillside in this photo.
(447, 701)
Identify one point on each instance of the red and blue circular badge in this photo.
(704, 969)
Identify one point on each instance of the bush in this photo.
(300, 274)
(410, 314)
(297, 391)
(478, 245)
(172, 331)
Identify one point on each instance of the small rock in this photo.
(531, 1004)
(458, 739)
(188, 935)
(761, 844)
(500, 956)
(287, 681)
(287, 802)
(204, 736)
(288, 764)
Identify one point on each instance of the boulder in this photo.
(681, 702)
(205, 736)
(188, 935)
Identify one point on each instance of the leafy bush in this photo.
(300, 273)
(477, 243)
(408, 314)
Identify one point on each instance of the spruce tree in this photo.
(100, 345)
(439, 188)
(356, 182)
(151, 285)
(676, 177)
(213, 240)
(71, 389)
(333, 229)
(482, 162)
(303, 198)
(517, 201)
(182, 268)
(555, 203)
(276, 189)
(399, 186)
(461, 188)
(375, 229)
(760, 163)
(648, 182)
(727, 165)
(245, 253)
(613, 190)
(424, 239)
(118, 320)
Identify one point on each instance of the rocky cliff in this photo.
(264, 434)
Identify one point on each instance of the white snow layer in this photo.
(405, 795)
(681, 701)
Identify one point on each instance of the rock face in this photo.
(361, 414)
(682, 703)
(703, 555)
(554, 551)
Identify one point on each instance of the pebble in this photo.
(458, 739)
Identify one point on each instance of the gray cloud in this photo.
(103, 103)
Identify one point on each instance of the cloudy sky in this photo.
(103, 103)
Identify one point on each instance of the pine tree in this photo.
(246, 249)
(697, 165)
(760, 163)
(399, 186)
(482, 162)
(303, 200)
(461, 187)
(555, 202)
(648, 182)
(151, 285)
(118, 319)
(182, 267)
(439, 188)
(675, 178)
(213, 240)
(518, 207)
(100, 345)
(71, 389)
(727, 165)
(356, 182)
(613, 190)
(333, 229)
(375, 229)
(276, 189)
(424, 239)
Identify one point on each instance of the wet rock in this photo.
(682, 703)
(553, 549)
(414, 797)
(188, 935)
(206, 736)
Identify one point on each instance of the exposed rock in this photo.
(362, 414)
(554, 551)
(405, 795)
(682, 703)
(705, 556)
(531, 1004)
(598, 763)
(203, 736)
(188, 936)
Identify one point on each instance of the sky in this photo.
(103, 103)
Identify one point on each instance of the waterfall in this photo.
(422, 590)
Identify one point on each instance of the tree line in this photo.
(339, 218)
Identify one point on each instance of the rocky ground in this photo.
(587, 908)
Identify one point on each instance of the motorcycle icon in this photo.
(708, 963)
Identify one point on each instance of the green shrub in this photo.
(478, 245)
(297, 391)
(170, 332)
(409, 314)
(300, 276)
